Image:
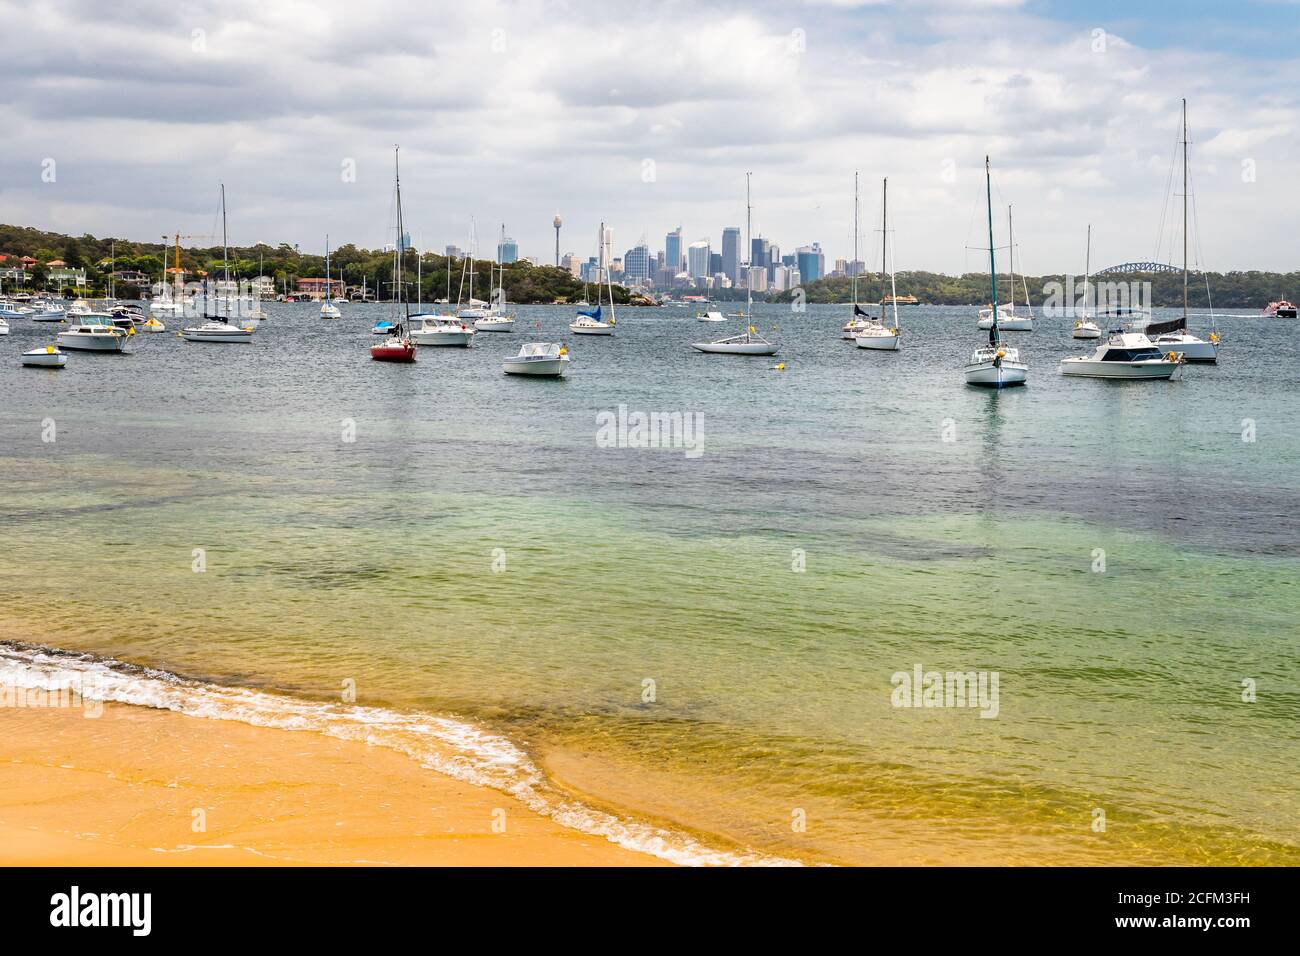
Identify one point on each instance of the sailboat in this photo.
(860, 320)
(397, 345)
(217, 328)
(495, 320)
(748, 342)
(994, 365)
(593, 323)
(328, 309)
(1084, 326)
(1172, 336)
(878, 335)
(1008, 321)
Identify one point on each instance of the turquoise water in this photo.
(379, 561)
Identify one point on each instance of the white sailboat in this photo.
(594, 322)
(1084, 326)
(994, 365)
(1172, 336)
(748, 342)
(860, 320)
(877, 335)
(494, 319)
(1008, 320)
(218, 328)
(397, 345)
(328, 309)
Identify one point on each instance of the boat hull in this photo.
(591, 329)
(233, 337)
(1206, 352)
(736, 348)
(879, 341)
(454, 339)
(92, 343)
(44, 358)
(997, 375)
(1091, 368)
(1018, 324)
(1085, 333)
(494, 325)
(542, 368)
(393, 353)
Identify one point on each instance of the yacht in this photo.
(441, 330)
(218, 328)
(1086, 329)
(994, 365)
(878, 336)
(710, 317)
(543, 359)
(1125, 355)
(1282, 309)
(590, 323)
(1008, 319)
(11, 310)
(593, 323)
(493, 319)
(397, 345)
(4, 326)
(95, 335)
(748, 342)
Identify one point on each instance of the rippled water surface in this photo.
(708, 642)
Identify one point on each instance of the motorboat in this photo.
(384, 327)
(1282, 309)
(11, 310)
(95, 335)
(47, 356)
(441, 330)
(495, 322)
(710, 317)
(4, 326)
(1124, 355)
(48, 312)
(542, 359)
(153, 324)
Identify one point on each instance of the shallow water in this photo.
(378, 562)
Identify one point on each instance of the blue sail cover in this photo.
(591, 315)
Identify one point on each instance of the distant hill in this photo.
(524, 283)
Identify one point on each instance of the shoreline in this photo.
(141, 786)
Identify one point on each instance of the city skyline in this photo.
(1083, 132)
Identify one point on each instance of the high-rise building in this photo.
(674, 253)
(571, 263)
(760, 252)
(731, 252)
(783, 278)
(811, 262)
(698, 256)
(507, 250)
(715, 265)
(636, 263)
(756, 278)
(453, 252)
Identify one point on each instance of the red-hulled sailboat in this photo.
(397, 347)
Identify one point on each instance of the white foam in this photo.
(454, 747)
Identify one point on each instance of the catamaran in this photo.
(1172, 336)
(749, 342)
(218, 328)
(994, 365)
(877, 335)
(397, 345)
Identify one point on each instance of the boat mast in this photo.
(884, 232)
(1011, 257)
(855, 245)
(1087, 271)
(1184, 211)
(397, 181)
(225, 249)
(893, 288)
(749, 292)
(993, 268)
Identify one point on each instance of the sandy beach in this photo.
(138, 786)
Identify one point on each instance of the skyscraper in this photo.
(507, 250)
(636, 263)
(698, 256)
(673, 253)
(759, 253)
(811, 262)
(731, 252)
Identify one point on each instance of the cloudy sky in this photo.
(648, 115)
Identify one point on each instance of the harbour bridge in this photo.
(1131, 267)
